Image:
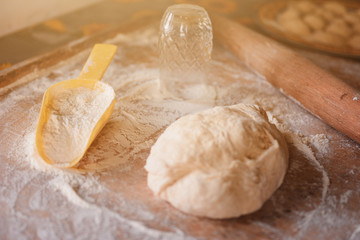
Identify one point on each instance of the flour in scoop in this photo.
(73, 116)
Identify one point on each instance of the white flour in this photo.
(74, 113)
(106, 197)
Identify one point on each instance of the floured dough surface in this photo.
(220, 163)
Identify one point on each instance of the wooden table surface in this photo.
(106, 196)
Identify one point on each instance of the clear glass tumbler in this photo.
(185, 45)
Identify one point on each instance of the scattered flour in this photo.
(344, 198)
(355, 234)
(42, 202)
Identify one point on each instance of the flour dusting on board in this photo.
(106, 196)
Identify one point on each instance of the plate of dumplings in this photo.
(329, 26)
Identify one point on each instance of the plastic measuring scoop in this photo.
(95, 67)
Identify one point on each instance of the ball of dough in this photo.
(314, 22)
(354, 42)
(305, 6)
(325, 14)
(339, 27)
(335, 7)
(289, 13)
(220, 163)
(351, 18)
(296, 26)
(326, 39)
(356, 28)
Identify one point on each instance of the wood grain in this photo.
(318, 91)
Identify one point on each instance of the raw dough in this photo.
(335, 7)
(220, 163)
(351, 18)
(297, 27)
(356, 28)
(325, 14)
(340, 28)
(290, 13)
(354, 42)
(305, 6)
(326, 39)
(314, 22)
(330, 24)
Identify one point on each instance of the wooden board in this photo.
(109, 199)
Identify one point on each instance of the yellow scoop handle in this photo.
(98, 61)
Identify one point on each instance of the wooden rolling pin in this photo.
(326, 96)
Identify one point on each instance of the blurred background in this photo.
(18, 14)
(29, 29)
